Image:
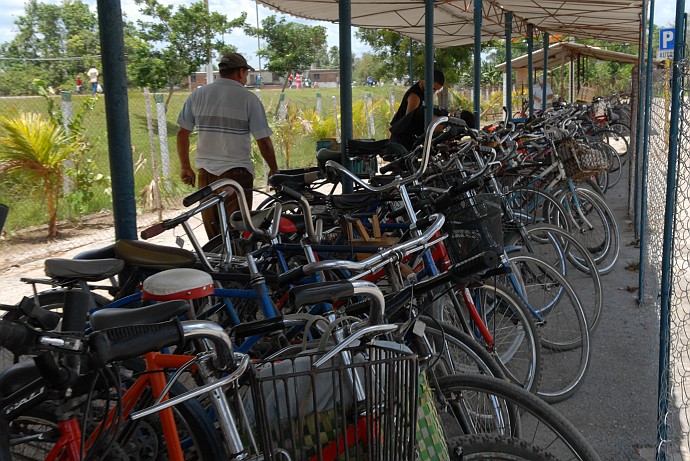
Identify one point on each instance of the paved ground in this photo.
(616, 406)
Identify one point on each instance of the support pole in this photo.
(545, 74)
(642, 183)
(530, 68)
(508, 90)
(477, 61)
(345, 19)
(428, 61)
(117, 118)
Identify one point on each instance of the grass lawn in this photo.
(294, 138)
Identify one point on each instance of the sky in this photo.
(664, 15)
(245, 45)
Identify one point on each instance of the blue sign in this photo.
(666, 39)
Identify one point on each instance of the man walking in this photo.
(93, 79)
(224, 113)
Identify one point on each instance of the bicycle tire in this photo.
(564, 332)
(456, 352)
(621, 142)
(558, 246)
(515, 334)
(531, 205)
(594, 225)
(198, 436)
(476, 396)
(492, 447)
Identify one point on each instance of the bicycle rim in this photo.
(538, 423)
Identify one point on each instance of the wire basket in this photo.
(582, 161)
(474, 225)
(359, 406)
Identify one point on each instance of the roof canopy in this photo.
(453, 19)
(567, 51)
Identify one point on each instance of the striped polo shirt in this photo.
(224, 114)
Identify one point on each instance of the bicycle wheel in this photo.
(529, 205)
(471, 401)
(564, 333)
(491, 447)
(455, 352)
(560, 250)
(34, 433)
(620, 141)
(594, 225)
(514, 333)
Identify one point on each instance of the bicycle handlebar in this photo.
(132, 341)
(391, 252)
(17, 337)
(426, 153)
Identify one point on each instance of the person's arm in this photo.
(268, 153)
(413, 103)
(186, 172)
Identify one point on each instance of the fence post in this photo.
(318, 104)
(163, 141)
(335, 117)
(66, 107)
(368, 108)
(282, 107)
(154, 164)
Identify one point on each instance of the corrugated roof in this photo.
(453, 19)
(564, 52)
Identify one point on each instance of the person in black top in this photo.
(408, 121)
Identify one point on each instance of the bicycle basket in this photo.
(363, 408)
(474, 225)
(582, 161)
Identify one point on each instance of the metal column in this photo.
(345, 19)
(117, 118)
(477, 60)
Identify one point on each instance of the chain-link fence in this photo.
(674, 427)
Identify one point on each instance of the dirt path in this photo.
(23, 253)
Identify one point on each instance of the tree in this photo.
(47, 32)
(393, 50)
(177, 42)
(35, 148)
(289, 46)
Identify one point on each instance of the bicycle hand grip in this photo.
(304, 178)
(16, 337)
(132, 341)
(197, 196)
(291, 276)
(457, 121)
(321, 292)
(152, 231)
(291, 193)
(257, 327)
(474, 265)
(46, 320)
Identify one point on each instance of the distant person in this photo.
(290, 78)
(225, 114)
(298, 80)
(80, 85)
(93, 79)
(538, 94)
(408, 122)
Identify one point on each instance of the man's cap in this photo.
(233, 61)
